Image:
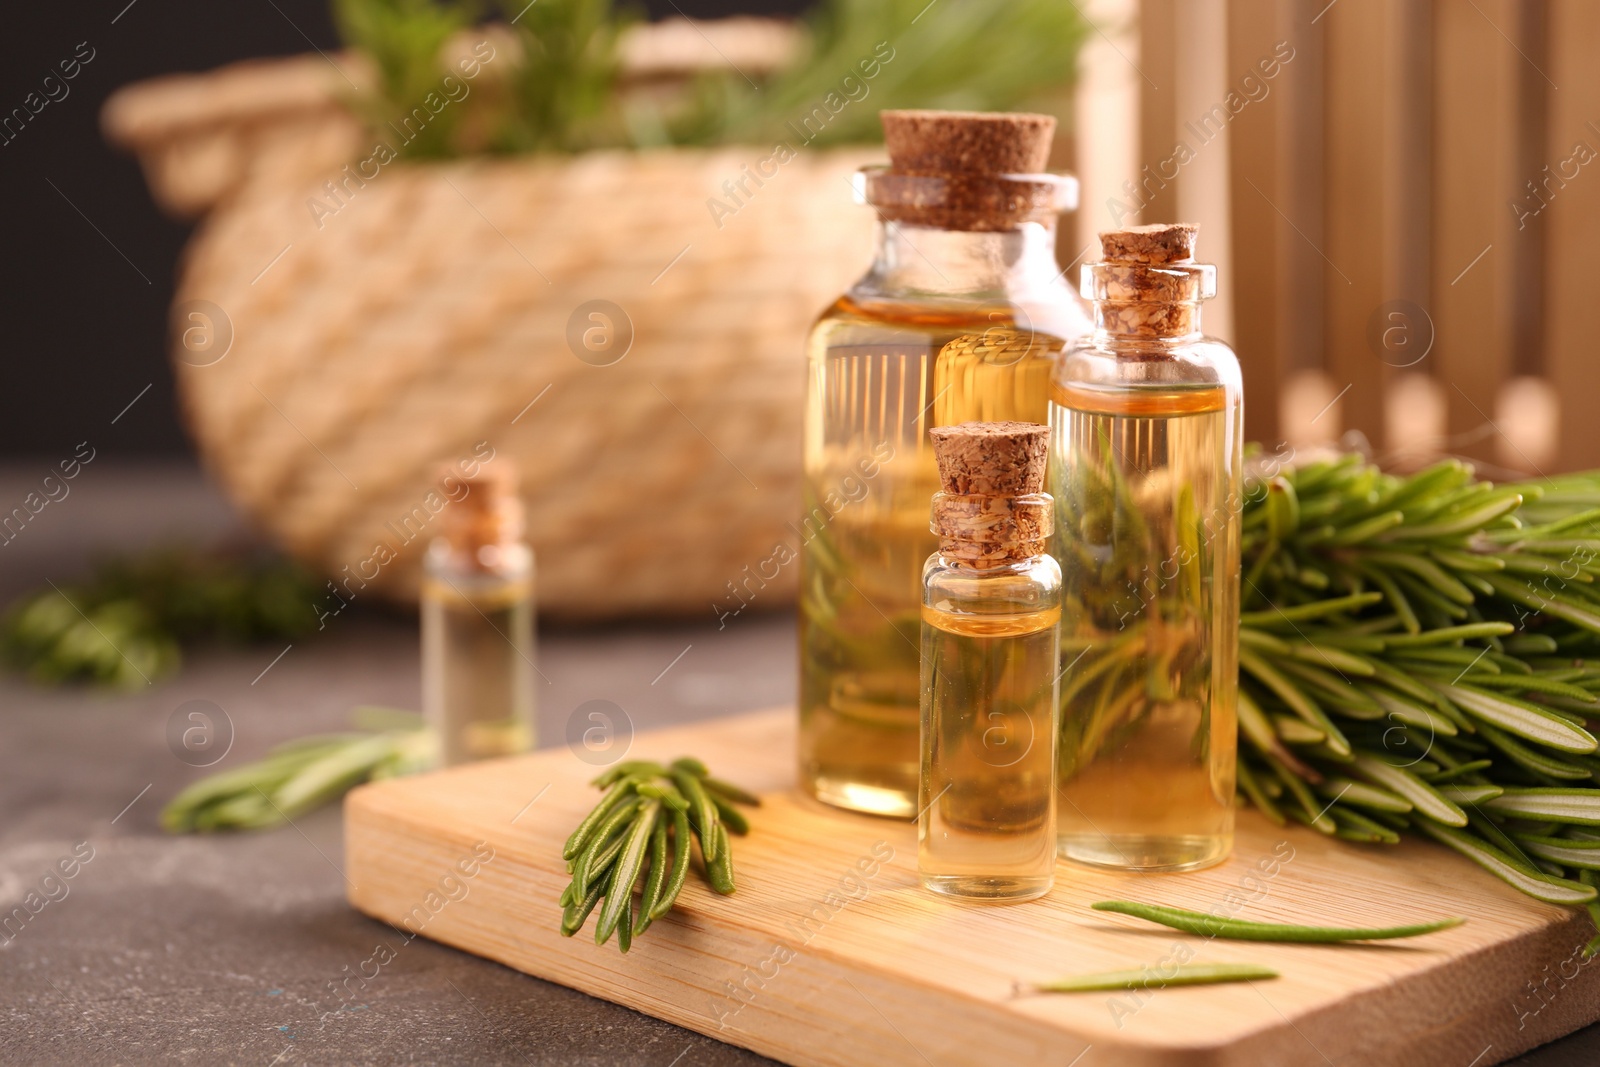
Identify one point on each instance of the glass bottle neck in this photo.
(1181, 321)
(921, 260)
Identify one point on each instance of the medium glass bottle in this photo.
(1146, 466)
(959, 318)
(478, 625)
(990, 615)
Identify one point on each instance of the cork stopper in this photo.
(967, 142)
(969, 170)
(1148, 284)
(991, 458)
(1162, 242)
(992, 509)
(488, 519)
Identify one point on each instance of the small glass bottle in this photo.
(478, 624)
(990, 660)
(1146, 465)
(959, 318)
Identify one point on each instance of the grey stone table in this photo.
(219, 949)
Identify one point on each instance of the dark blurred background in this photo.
(89, 261)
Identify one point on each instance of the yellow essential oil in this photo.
(989, 666)
(958, 318)
(880, 378)
(1146, 465)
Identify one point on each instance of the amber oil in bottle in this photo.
(478, 625)
(1146, 472)
(959, 318)
(990, 661)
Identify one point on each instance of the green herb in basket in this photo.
(640, 835)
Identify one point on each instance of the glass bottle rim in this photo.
(1039, 194)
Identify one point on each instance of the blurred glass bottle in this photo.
(478, 624)
(1146, 470)
(959, 318)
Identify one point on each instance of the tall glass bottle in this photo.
(478, 625)
(990, 611)
(1146, 471)
(959, 318)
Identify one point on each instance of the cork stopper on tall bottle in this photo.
(992, 509)
(980, 159)
(487, 522)
(1147, 283)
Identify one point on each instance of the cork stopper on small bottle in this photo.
(1148, 284)
(969, 170)
(1162, 242)
(992, 509)
(488, 520)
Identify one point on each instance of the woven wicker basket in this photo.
(328, 366)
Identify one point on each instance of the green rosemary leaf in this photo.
(1178, 974)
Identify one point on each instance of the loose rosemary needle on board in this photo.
(1145, 978)
(1198, 922)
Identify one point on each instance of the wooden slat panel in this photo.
(1300, 234)
(1475, 113)
(1209, 105)
(1572, 229)
(1360, 202)
(1256, 176)
(1158, 104)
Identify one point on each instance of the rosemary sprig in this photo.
(640, 834)
(1424, 653)
(124, 625)
(302, 775)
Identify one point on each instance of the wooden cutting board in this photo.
(831, 953)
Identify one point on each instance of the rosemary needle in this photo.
(1198, 922)
(1148, 978)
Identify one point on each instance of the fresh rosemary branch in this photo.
(302, 775)
(1422, 654)
(649, 812)
(123, 626)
